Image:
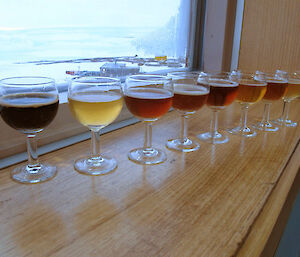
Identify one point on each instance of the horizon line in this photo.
(68, 26)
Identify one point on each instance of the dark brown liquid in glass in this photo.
(28, 111)
(148, 103)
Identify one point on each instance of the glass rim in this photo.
(184, 73)
(215, 73)
(249, 81)
(96, 80)
(208, 75)
(294, 74)
(222, 82)
(273, 77)
(294, 79)
(270, 74)
(249, 78)
(148, 78)
(47, 81)
(247, 73)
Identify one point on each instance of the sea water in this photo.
(19, 48)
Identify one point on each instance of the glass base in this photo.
(243, 132)
(95, 165)
(147, 156)
(33, 174)
(286, 123)
(289, 123)
(267, 127)
(218, 138)
(186, 145)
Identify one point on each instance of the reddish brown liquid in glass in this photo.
(148, 103)
(188, 102)
(275, 90)
(221, 95)
(189, 97)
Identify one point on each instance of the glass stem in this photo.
(214, 124)
(33, 158)
(286, 108)
(281, 119)
(244, 115)
(148, 136)
(266, 115)
(95, 146)
(184, 126)
(268, 106)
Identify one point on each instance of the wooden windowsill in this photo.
(222, 200)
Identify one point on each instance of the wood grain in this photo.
(270, 35)
(205, 203)
(262, 228)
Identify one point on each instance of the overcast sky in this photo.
(53, 13)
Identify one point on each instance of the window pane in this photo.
(56, 37)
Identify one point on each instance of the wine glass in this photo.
(276, 89)
(252, 88)
(293, 91)
(29, 104)
(148, 97)
(188, 98)
(223, 91)
(95, 102)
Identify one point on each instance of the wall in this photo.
(270, 35)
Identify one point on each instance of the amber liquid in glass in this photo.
(189, 97)
(276, 89)
(293, 89)
(221, 95)
(251, 93)
(148, 103)
(28, 111)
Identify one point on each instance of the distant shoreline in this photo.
(71, 27)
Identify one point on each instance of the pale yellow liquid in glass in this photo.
(96, 109)
(293, 89)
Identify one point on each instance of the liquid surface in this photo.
(189, 97)
(28, 112)
(148, 103)
(96, 108)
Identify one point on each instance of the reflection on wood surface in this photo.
(203, 203)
